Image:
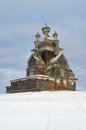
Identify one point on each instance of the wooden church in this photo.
(47, 67)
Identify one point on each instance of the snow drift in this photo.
(61, 110)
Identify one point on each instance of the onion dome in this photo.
(46, 30)
(37, 36)
(55, 35)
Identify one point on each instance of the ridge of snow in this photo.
(55, 58)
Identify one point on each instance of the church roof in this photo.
(59, 56)
(37, 59)
(39, 76)
(55, 58)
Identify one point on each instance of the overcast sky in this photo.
(20, 20)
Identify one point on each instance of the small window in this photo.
(58, 81)
(49, 73)
(72, 83)
(62, 73)
(64, 82)
(31, 72)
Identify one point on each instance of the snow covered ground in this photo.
(61, 110)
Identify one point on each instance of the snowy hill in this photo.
(62, 110)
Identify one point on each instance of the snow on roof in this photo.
(38, 59)
(56, 58)
(48, 38)
(38, 76)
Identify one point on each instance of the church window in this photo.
(31, 72)
(58, 81)
(62, 73)
(64, 82)
(72, 83)
(49, 73)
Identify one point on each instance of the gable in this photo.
(62, 61)
(31, 60)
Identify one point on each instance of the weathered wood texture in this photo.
(46, 60)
